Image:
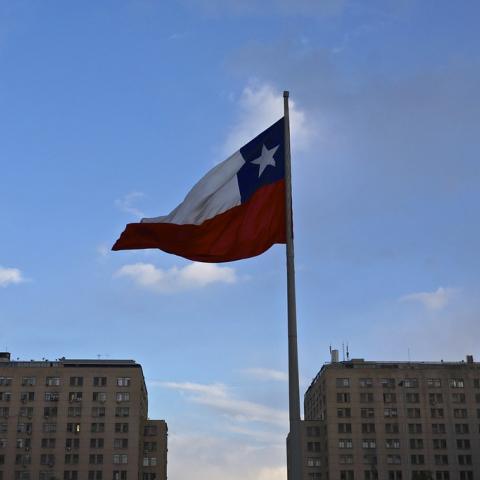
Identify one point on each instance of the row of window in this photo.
(72, 396)
(70, 411)
(74, 458)
(414, 443)
(73, 381)
(437, 428)
(73, 475)
(406, 382)
(372, 474)
(409, 397)
(416, 459)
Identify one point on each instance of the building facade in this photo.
(78, 420)
(393, 421)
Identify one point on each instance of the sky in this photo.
(112, 110)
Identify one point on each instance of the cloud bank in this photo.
(10, 276)
(193, 276)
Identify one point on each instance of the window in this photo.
(392, 443)
(73, 427)
(463, 444)
(47, 475)
(438, 428)
(71, 458)
(460, 412)
(153, 476)
(123, 428)
(412, 398)
(98, 411)
(122, 475)
(3, 427)
(394, 459)
(370, 459)
(122, 396)
(48, 443)
(23, 443)
(458, 398)
(420, 474)
(52, 381)
(462, 428)
(344, 459)
(369, 443)
(439, 443)
(343, 397)
(26, 412)
(74, 411)
(345, 443)
(28, 381)
(123, 443)
(99, 381)
(466, 475)
(390, 412)
(392, 428)
(314, 462)
(370, 474)
(313, 431)
(476, 383)
(70, 475)
(417, 459)
(441, 459)
(434, 382)
(365, 383)
(367, 412)
(442, 475)
(95, 475)
(436, 412)
(434, 398)
(344, 413)
(366, 397)
(413, 412)
(122, 411)
(51, 396)
(387, 382)
(394, 475)
(389, 397)
(97, 427)
(76, 381)
(22, 475)
(27, 397)
(24, 428)
(5, 381)
(346, 475)
(149, 461)
(75, 396)
(72, 443)
(99, 397)
(416, 443)
(3, 443)
(96, 443)
(414, 428)
(120, 458)
(95, 459)
(410, 383)
(368, 428)
(4, 412)
(152, 447)
(23, 459)
(50, 412)
(344, 428)
(464, 459)
(342, 382)
(5, 396)
(49, 427)
(123, 381)
(456, 383)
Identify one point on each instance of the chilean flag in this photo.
(237, 210)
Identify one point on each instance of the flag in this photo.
(237, 210)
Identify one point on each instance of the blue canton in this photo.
(249, 180)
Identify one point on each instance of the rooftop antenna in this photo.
(409, 354)
(348, 353)
(343, 351)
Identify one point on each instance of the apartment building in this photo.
(78, 420)
(368, 420)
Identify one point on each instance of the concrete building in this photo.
(78, 420)
(368, 420)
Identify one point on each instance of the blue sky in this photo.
(111, 110)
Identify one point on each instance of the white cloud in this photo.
(218, 397)
(266, 374)
(10, 276)
(193, 276)
(260, 106)
(126, 204)
(436, 300)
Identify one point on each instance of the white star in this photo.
(265, 159)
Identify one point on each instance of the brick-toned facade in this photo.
(78, 420)
(393, 421)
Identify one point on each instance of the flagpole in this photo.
(294, 448)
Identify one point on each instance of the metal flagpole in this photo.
(294, 448)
